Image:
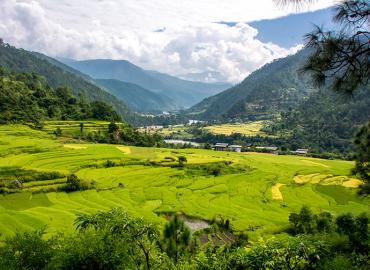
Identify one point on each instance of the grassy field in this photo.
(256, 199)
(248, 129)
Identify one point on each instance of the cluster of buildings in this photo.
(267, 149)
(227, 147)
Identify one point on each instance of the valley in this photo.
(255, 191)
(184, 135)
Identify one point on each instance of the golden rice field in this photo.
(248, 129)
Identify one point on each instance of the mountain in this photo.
(273, 88)
(325, 121)
(183, 93)
(136, 97)
(303, 116)
(58, 74)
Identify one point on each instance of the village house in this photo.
(220, 146)
(227, 147)
(235, 148)
(300, 151)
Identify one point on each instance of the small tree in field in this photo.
(182, 160)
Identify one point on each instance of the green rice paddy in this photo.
(144, 183)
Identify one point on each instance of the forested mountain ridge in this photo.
(273, 88)
(27, 98)
(57, 74)
(326, 121)
(136, 97)
(183, 93)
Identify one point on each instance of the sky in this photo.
(228, 38)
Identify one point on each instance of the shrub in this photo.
(75, 184)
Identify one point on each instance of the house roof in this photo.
(272, 148)
(221, 144)
(235, 146)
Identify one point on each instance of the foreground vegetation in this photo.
(116, 240)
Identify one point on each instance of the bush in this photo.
(26, 251)
(75, 184)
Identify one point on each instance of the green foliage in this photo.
(357, 231)
(182, 160)
(302, 222)
(355, 228)
(341, 59)
(26, 251)
(325, 121)
(57, 74)
(116, 240)
(75, 184)
(27, 98)
(177, 239)
(136, 237)
(215, 169)
(362, 157)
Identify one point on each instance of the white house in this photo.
(235, 148)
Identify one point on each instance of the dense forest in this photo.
(26, 97)
(57, 75)
(326, 121)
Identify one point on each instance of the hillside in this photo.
(273, 88)
(325, 121)
(136, 97)
(25, 97)
(57, 74)
(183, 93)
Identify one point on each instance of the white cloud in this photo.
(124, 29)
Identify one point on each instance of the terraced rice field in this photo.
(72, 128)
(144, 183)
(248, 129)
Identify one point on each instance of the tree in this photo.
(103, 111)
(341, 58)
(137, 236)
(357, 230)
(182, 160)
(73, 183)
(324, 222)
(302, 222)
(26, 251)
(362, 157)
(176, 238)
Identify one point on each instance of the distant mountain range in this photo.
(174, 93)
(136, 97)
